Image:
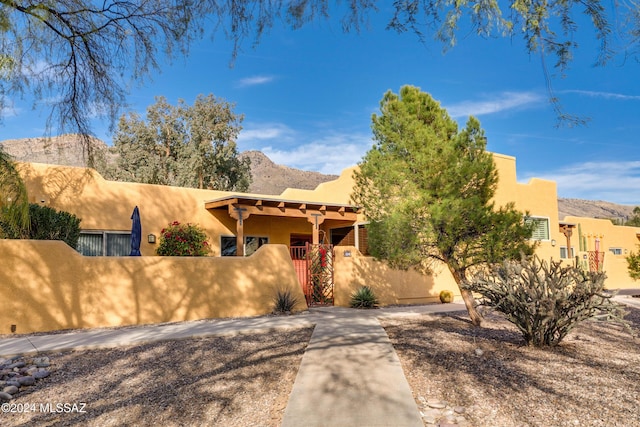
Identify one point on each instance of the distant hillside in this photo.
(58, 150)
(593, 209)
(268, 177)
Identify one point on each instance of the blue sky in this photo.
(308, 95)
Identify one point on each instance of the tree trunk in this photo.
(468, 299)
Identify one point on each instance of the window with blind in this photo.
(540, 227)
(104, 243)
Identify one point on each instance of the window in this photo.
(616, 251)
(540, 227)
(563, 252)
(251, 244)
(104, 243)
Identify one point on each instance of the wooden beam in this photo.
(220, 203)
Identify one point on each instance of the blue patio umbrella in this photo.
(136, 232)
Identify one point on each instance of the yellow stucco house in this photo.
(48, 285)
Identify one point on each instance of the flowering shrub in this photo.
(183, 240)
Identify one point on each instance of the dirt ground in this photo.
(592, 379)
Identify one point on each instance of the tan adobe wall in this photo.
(611, 236)
(48, 286)
(538, 197)
(390, 286)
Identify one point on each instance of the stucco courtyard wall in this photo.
(48, 286)
(610, 236)
(390, 286)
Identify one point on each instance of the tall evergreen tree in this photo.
(183, 145)
(427, 189)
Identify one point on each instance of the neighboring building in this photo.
(240, 224)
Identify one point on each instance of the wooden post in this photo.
(238, 215)
(316, 221)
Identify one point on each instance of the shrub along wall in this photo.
(47, 286)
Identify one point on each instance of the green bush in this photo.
(284, 301)
(633, 264)
(363, 297)
(46, 223)
(545, 300)
(446, 296)
(183, 240)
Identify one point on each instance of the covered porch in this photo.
(320, 218)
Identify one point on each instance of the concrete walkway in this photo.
(350, 374)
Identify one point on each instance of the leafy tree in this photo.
(634, 221)
(83, 54)
(187, 146)
(14, 203)
(426, 188)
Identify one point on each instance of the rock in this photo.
(13, 383)
(428, 419)
(436, 404)
(479, 352)
(42, 362)
(11, 389)
(16, 365)
(5, 396)
(41, 374)
(27, 380)
(459, 410)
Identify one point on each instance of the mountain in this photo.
(267, 177)
(593, 209)
(270, 178)
(65, 150)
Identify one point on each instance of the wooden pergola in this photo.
(241, 207)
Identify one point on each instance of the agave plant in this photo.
(363, 297)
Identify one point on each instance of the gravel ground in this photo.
(242, 380)
(591, 379)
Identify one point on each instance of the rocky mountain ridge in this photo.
(268, 177)
(68, 150)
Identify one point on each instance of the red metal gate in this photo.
(596, 261)
(314, 266)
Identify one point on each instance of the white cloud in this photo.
(313, 150)
(255, 80)
(606, 95)
(617, 182)
(253, 136)
(9, 109)
(329, 154)
(494, 104)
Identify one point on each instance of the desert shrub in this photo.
(545, 300)
(284, 301)
(363, 297)
(183, 240)
(446, 296)
(46, 223)
(633, 264)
